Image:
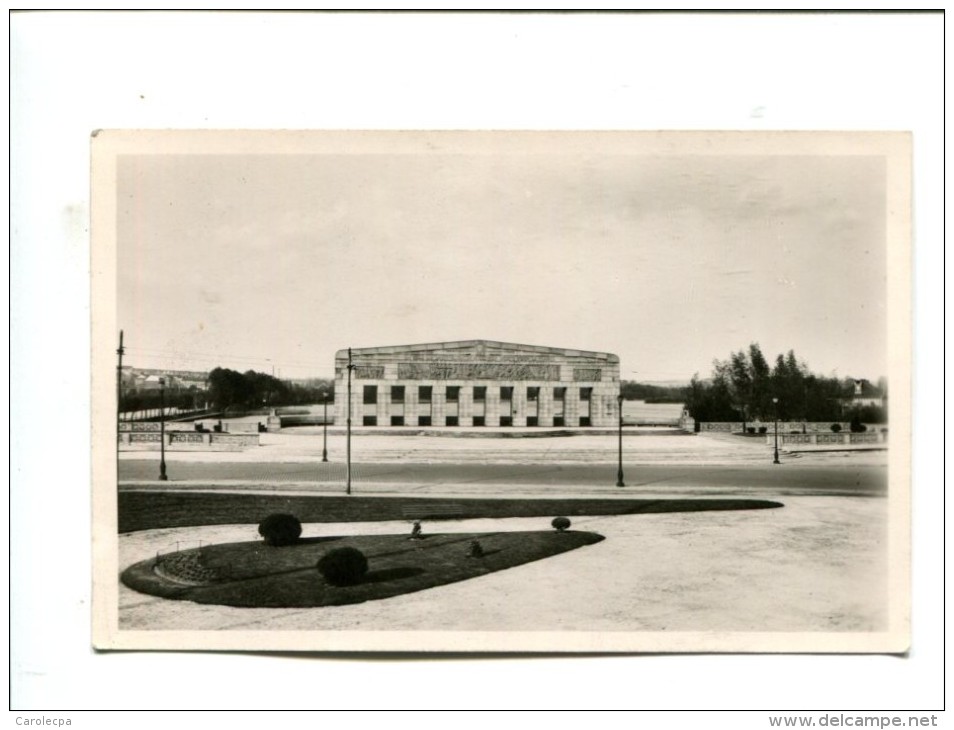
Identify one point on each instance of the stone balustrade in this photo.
(186, 441)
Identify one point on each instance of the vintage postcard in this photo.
(484, 391)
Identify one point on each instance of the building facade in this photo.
(477, 383)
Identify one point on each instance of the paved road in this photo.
(861, 479)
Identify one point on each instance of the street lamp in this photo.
(119, 379)
(324, 442)
(162, 431)
(775, 401)
(351, 367)
(619, 473)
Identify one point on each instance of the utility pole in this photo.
(350, 368)
(119, 380)
(324, 427)
(162, 431)
(619, 473)
(776, 461)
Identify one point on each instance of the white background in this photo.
(73, 73)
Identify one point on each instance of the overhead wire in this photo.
(224, 359)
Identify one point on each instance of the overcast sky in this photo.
(669, 260)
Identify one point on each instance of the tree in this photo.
(248, 390)
(633, 390)
(740, 376)
(743, 387)
(227, 389)
(710, 401)
(788, 385)
(761, 383)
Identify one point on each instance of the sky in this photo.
(669, 257)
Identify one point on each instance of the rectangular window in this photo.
(586, 393)
(370, 421)
(533, 394)
(480, 393)
(506, 421)
(506, 392)
(424, 421)
(584, 421)
(559, 421)
(453, 393)
(479, 421)
(397, 420)
(424, 393)
(370, 394)
(397, 393)
(452, 421)
(559, 394)
(531, 420)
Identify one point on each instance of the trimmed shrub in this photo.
(280, 529)
(343, 566)
(857, 426)
(560, 523)
(836, 428)
(763, 429)
(750, 430)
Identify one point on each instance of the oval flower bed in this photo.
(253, 574)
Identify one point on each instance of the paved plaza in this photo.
(818, 564)
(520, 446)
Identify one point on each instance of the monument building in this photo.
(477, 383)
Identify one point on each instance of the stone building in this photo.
(477, 383)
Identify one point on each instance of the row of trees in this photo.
(232, 390)
(631, 390)
(742, 388)
(137, 401)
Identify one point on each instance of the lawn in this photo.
(253, 574)
(151, 510)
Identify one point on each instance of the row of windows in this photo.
(478, 421)
(425, 393)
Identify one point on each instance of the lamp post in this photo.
(775, 402)
(162, 431)
(350, 368)
(619, 473)
(324, 441)
(119, 379)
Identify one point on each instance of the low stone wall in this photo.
(154, 426)
(827, 439)
(787, 427)
(186, 441)
(719, 427)
(243, 426)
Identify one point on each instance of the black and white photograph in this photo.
(503, 391)
(453, 360)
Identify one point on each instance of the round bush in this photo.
(343, 566)
(836, 427)
(561, 523)
(280, 529)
